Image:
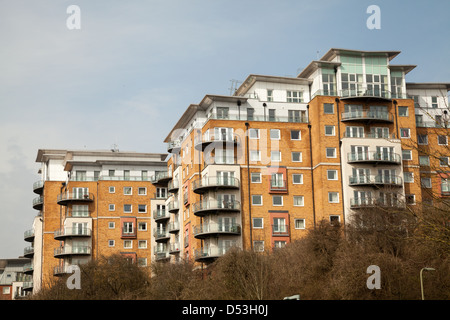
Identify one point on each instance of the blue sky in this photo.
(135, 66)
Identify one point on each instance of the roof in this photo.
(333, 52)
(252, 78)
(428, 85)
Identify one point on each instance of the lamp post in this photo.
(421, 279)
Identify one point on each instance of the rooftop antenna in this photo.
(317, 54)
(234, 85)
(115, 148)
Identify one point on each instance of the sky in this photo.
(132, 68)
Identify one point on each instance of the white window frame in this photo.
(255, 152)
(409, 175)
(253, 134)
(333, 129)
(426, 185)
(127, 241)
(446, 140)
(299, 135)
(336, 174)
(112, 207)
(128, 194)
(277, 134)
(257, 204)
(272, 153)
(144, 242)
(300, 228)
(334, 153)
(408, 130)
(274, 196)
(131, 208)
(142, 188)
(112, 189)
(111, 243)
(330, 193)
(300, 156)
(302, 201)
(301, 178)
(145, 207)
(254, 174)
(262, 223)
(111, 225)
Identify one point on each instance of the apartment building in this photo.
(259, 168)
(15, 282)
(93, 203)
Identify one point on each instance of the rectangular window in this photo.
(299, 223)
(222, 112)
(250, 113)
(127, 208)
(258, 245)
(331, 152)
(434, 103)
(329, 131)
(256, 177)
(275, 134)
(269, 95)
(112, 189)
(296, 156)
(297, 178)
(257, 200)
(332, 175)
(299, 201)
(142, 226)
(142, 208)
(328, 108)
(403, 111)
(410, 199)
(111, 225)
(296, 135)
(253, 133)
(277, 200)
(142, 244)
(111, 243)
(426, 182)
(127, 244)
(422, 139)
(443, 161)
(275, 156)
(127, 190)
(406, 155)
(333, 197)
(258, 223)
(142, 191)
(255, 155)
(112, 207)
(126, 175)
(279, 226)
(424, 160)
(294, 96)
(408, 177)
(442, 140)
(405, 133)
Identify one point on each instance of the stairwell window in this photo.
(403, 111)
(442, 140)
(331, 152)
(328, 108)
(294, 96)
(333, 197)
(277, 200)
(222, 112)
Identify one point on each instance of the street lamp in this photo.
(421, 280)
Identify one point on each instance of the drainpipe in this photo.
(340, 162)
(396, 120)
(312, 170)
(248, 186)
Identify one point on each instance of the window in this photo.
(142, 191)
(275, 134)
(111, 243)
(142, 208)
(161, 193)
(354, 132)
(128, 227)
(142, 226)
(277, 200)
(257, 200)
(410, 198)
(442, 140)
(7, 290)
(332, 175)
(296, 156)
(299, 223)
(111, 173)
(127, 190)
(434, 103)
(142, 244)
(333, 197)
(256, 177)
(297, 116)
(127, 244)
(275, 156)
(127, 208)
(299, 201)
(111, 225)
(144, 175)
(329, 131)
(445, 185)
(269, 95)
(426, 182)
(126, 175)
(403, 111)
(271, 115)
(335, 219)
(112, 189)
(250, 113)
(279, 244)
(142, 262)
(296, 135)
(406, 155)
(405, 133)
(294, 96)
(328, 108)
(408, 177)
(255, 155)
(424, 160)
(112, 207)
(253, 133)
(297, 178)
(279, 225)
(258, 245)
(331, 152)
(443, 161)
(258, 223)
(422, 139)
(222, 112)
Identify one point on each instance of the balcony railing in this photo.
(77, 250)
(433, 124)
(38, 186)
(67, 197)
(161, 234)
(378, 116)
(78, 213)
(280, 230)
(278, 185)
(160, 215)
(174, 247)
(28, 268)
(128, 233)
(211, 252)
(267, 118)
(28, 252)
(173, 186)
(203, 184)
(201, 142)
(376, 180)
(374, 157)
(174, 226)
(72, 232)
(358, 203)
(38, 202)
(173, 206)
(211, 206)
(208, 229)
(29, 235)
(161, 253)
(161, 177)
(173, 146)
(219, 160)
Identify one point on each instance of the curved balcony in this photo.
(28, 268)
(28, 252)
(374, 157)
(161, 235)
(160, 215)
(161, 177)
(27, 286)
(67, 198)
(174, 146)
(211, 253)
(206, 207)
(361, 203)
(174, 227)
(230, 140)
(60, 271)
(214, 183)
(38, 203)
(29, 235)
(203, 231)
(367, 117)
(371, 95)
(174, 248)
(68, 251)
(71, 232)
(375, 181)
(38, 187)
(161, 254)
(173, 186)
(78, 213)
(173, 206)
